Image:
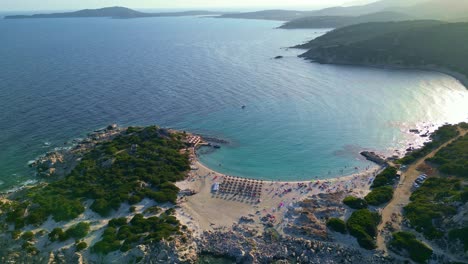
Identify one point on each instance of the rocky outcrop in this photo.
(260, 249)
(61, 162)
(374, 157)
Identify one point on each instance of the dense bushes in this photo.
(355, 203)
(337, 225)
(417, 251)
(122, 236)
(77, 232)
(386, 177)
(112, 173)
(380, 195)
(108, 243)
(433, 200)
(453, 159)
(363, 225)
(81, 245)
(28, 236)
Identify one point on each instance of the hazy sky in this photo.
(8, 5)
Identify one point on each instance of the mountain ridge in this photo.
(112, 12)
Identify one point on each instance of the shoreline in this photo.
(208, 211)
(460, 77)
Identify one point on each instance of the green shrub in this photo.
(337, 225)
(117, 222)
(417, 250)
(81, 245)
(78, 231)
(108, 243)
(57, 234)
(453, 159)
(15, 234)
(386, 177)
(30, 248)
(363, 225)
(152, 210)
(355, 203)
(380, 195)
(28, 236)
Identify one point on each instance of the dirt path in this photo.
(392, 213)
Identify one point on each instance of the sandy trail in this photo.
(392, 214)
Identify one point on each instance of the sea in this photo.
(63, 78)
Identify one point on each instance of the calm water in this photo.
(61, 78)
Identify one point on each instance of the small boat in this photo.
(216, 146)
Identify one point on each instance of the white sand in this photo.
(206, 211)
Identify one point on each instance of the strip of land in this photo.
(392, 213)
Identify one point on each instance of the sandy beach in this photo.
(207, 210)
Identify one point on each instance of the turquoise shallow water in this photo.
(61, 78)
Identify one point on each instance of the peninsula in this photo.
(114, 12)
(341, 21)
(419, 44)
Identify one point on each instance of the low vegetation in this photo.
(77, 232)
(380, 195)
(407, 242)
(453, 159)
(141, 163)
(337, 225)
(363, 225)
(355, 203)
(387, 177)
(123, 236)
(433, 201)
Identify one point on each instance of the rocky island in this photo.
(113, 12)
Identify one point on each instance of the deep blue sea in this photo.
(62, 78)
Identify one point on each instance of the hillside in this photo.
(416, 44)
(437, 9)
(280, 15)
(339, 11)
(119, 195)
(341, 21)
(114, 12)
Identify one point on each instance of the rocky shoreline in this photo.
(61, 162)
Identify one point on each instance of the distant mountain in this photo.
(113, 12)
(288, 15)
(383, 5)
(414, 44)
(280, 15)
(437, 9)
(341, 21)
